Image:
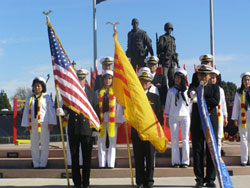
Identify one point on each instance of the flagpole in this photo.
(60, 119)
(212, 31)
(95, 35)
(129, 156)
(62, 137)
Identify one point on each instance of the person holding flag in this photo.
(241, 116)
(144, 149)
(39, 117)
(212, 99)
(81, 134)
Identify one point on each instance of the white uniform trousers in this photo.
(220, 133)
(174, 129)
(104, 155)
(40, 159)
(245, 140)
(69, 162)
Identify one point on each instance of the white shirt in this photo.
(223, 104)
(153, 89)
(47, 111)
(236, 114)
(182, 109)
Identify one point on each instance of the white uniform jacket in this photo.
(181, 109)
(236, 114)
(47, 111)
(223, 104)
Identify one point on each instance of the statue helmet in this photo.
(168, 26)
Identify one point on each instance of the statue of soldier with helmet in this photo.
(166, 51)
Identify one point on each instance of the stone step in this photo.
(121, 162)
(230, 149)
(107, 173)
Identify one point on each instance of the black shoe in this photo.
(184, 166)
(210, 184)
(176, 166)
(199, 183)
(139, 186)
(243, 164)
(85, 186)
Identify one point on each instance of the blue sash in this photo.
(222, 173)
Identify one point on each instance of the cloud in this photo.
(17, 40)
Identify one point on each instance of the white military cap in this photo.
(181, 70)
(110, 72)
(107, 60)
(215, 71)
(244, 74)
(206, 57)
(144, 73)
(40, 79)
(151, 60)
(82, 73)
(204, 69)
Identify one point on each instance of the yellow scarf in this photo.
(111, 122)
(243, 110)
(38, 113)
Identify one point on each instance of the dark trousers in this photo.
(86, 146)
(198, 144)
(168, 72)
(198, 147)
(143, 150)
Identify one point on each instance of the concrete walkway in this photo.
(168, 182)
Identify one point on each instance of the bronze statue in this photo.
(166, 51)
(139, 44)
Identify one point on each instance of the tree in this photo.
(4, 101)
(22, 93)
(230, 89)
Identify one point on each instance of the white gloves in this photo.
(193, 97)
(60, 112)
(192, 94)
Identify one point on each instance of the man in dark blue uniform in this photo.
(144, 150)
(159, 80)
(212, 98)
(80, 133)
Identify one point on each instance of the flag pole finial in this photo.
(114, 25)
(47, 15)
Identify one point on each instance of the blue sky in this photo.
(24, 45)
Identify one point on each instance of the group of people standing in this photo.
(178, 104)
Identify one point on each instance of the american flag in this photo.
(72, 94)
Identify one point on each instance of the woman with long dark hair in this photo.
(241, 116)
(177, 110)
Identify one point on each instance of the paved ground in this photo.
(168, 182)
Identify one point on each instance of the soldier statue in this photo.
(139, 44)
(166, 51)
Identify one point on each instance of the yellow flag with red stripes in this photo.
(137, 109)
